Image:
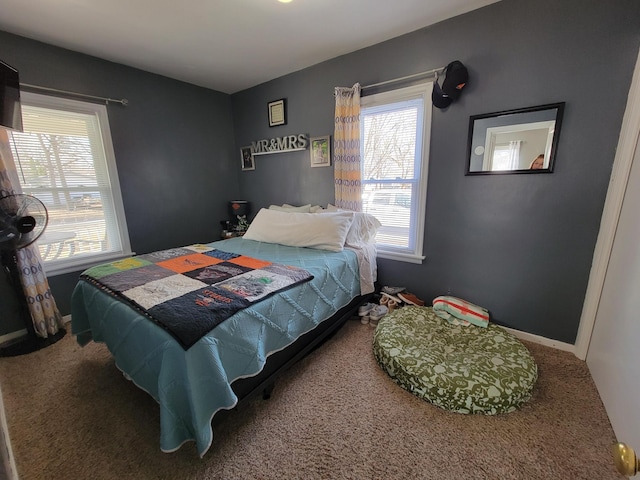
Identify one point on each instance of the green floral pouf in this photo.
(462, 369)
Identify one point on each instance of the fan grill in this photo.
(23, 219)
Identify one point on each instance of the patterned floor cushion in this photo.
(462, 369)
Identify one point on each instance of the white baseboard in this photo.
(530, 337)
(12, 336)
(21, 333)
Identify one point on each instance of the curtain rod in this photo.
(408, 77)
(123, 101)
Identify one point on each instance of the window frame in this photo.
(62, 266)
(423, 91)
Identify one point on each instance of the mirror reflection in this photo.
(514, 141)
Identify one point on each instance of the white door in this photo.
(614, 352)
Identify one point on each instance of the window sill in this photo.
(401, 257)
(82, 264)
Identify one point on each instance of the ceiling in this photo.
(226, 45)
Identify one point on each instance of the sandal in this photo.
(390, 297)
(411, 299)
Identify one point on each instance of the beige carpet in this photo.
(335, 415)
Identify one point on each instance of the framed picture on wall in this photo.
(277, 113)
(320, 150)
(248, 160)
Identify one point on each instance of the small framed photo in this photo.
(248, 160)
(320, 150)
(277, 113)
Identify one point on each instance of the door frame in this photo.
(627, 144)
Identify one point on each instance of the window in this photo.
(65, 158)
(395, 130)
(506, 156)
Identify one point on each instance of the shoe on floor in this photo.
(377, 313)
(390, 297)
(392, 290)
(389, 302)
(364, 320)
(411, 299)
(365, 309)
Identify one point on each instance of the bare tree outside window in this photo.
(390, 145)
(62, 159)
(389, 170)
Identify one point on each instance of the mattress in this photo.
(192, 385)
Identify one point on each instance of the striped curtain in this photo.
(346, 149)
(45, 315)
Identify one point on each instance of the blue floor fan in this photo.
(23, 219)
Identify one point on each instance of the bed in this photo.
(242, 354)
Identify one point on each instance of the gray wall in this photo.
(520, 245)
(173, 143)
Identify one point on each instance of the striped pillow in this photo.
(460, 312)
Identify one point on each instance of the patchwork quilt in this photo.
(190, 290)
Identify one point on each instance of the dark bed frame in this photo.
(279, 362)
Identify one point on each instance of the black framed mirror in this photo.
(514, 141)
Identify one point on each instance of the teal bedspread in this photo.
(192, 385)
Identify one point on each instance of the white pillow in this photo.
(327, 231)
(333, 208)
(291, 208)
(363, 229)
(302, 209)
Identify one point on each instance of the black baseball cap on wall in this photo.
(439, 98)
(457, 77)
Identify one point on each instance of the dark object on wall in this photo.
(10, 107)
(524, 140)
(456, 78)
(23, 219)
(278, 112)
(439, 98)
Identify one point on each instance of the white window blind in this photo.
(395, 128)
(65, 158)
